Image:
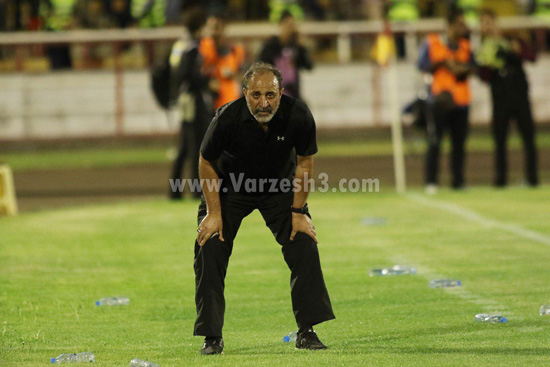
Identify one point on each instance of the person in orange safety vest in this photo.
(223, 61)
(449, 61)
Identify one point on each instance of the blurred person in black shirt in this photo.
(120, 13)
(91, 14)
(190, 86)
(58, 16)
(286, 53)
(501, 65)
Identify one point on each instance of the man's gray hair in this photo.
(261, 67)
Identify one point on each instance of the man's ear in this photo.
(281, 91)
(245, 91)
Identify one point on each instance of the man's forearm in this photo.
(304, 172)
(210, 184)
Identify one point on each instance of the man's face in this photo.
(263, 96)
(288, 30)
(216, 27)
(458, 29)
(487, 25)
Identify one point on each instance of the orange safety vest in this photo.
(443, 79)
(224, 68)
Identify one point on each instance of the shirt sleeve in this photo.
(213, 143)
(306, 144)
(303, 60)
(473, 61)
(424, 63)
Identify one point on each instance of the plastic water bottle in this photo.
(445, 283)
(291, 337)
(85, 357)
(545, 310)
(113, 301)
(402, 270)
(373, 221)
(493, 319)
(139, 363)
(394, 270)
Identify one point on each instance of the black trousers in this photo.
(310, 299)
(438, 121)
(190, 139)
(503, 111)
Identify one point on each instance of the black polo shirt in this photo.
(243, 149)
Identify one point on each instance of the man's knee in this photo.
(213, 250)
(301, 248)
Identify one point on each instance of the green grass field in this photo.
(55, 264)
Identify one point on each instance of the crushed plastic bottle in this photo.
(394, 270)
(85, 357)
(493, 319)
(445, 283)
(139, 363)
(291, 337)
(544, 310)
(113, 301)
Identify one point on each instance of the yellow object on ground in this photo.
(8, 203)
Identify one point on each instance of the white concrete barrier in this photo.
(80, 104)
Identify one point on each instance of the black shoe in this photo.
(212, 346)
(308, 339)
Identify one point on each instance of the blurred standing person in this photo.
(449, 60)
(120, 13)
(27, 15)
(173, 11)
(278, 7)
(402, 11)
(3, 15)
(91, 14)
(223, 60)
(471, 10)
(500, 60)
(189, 82)
(58, 16)
(541, 9)
(149, 13)
(287, 54)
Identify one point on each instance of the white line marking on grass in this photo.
(478, 218)
(489, 305)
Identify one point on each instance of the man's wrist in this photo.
(214, 212)
(302, 210)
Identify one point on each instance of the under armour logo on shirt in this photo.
(281, 138)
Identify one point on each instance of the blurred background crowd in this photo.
(17, 15)
(343, 44)
(63, 15)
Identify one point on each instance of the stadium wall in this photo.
(82, 104)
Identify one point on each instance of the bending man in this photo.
(259, 149)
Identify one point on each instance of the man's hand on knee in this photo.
(302, 223)
(211, 226)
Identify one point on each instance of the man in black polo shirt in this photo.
(258, 150)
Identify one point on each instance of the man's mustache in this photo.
(267, 109)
